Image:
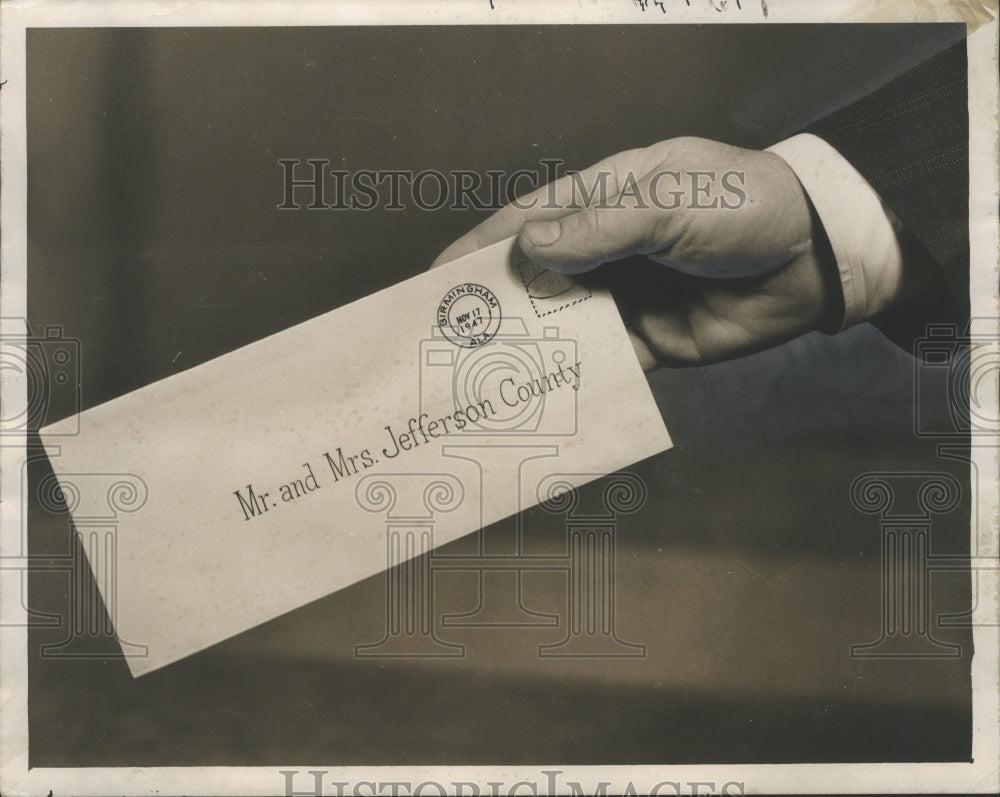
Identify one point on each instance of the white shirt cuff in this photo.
(862, 231)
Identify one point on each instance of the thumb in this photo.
(583, 240)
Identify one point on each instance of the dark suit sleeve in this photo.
(910, 140)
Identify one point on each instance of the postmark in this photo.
(469, 315)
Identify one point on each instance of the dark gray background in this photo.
(155, 241)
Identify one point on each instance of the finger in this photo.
(634, 221)
(584, 240)
(549, 202)
(502, 224)
(642, 351)
(666, 337)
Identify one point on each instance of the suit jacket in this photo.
(909, 140)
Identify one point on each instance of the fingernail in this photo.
(542, 233)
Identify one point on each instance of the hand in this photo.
(747, 263)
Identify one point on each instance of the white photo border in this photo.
(979, 776)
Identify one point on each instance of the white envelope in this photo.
(265, 479)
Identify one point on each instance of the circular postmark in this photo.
(469, 315)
